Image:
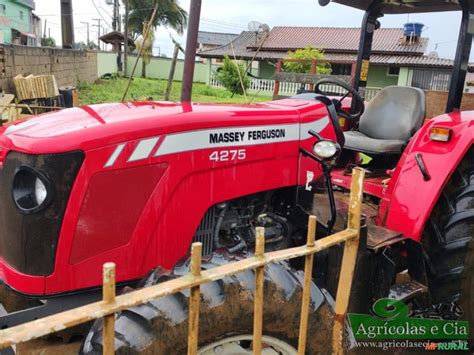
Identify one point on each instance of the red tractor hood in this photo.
(89, 127)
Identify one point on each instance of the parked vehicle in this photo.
(137, 183)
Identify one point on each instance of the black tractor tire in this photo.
(448, 241)
(161, 326)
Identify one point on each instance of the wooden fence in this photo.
(111, 304)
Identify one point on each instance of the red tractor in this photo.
(137, 183)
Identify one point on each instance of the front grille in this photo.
(28, 242)
(205, 232)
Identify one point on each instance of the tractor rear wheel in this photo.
(449, 242)
(226, 317)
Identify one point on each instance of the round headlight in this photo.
(40, 191)
(30, 190)
(326, 149)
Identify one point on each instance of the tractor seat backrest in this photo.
(396, 112)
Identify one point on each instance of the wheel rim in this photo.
(242, 344)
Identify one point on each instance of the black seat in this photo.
(389, 121)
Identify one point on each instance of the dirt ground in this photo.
(48, 347)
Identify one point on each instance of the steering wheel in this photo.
(359, 101)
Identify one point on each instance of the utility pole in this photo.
(125, 44)
(191, 47)
(116, 19)
(45, 25)
(88, 38)
(98, 30)
(67, 24)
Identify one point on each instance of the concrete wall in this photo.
(159, 68)
(106, 63)
(68, 66)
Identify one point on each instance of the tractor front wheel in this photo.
(226, 317)
(449, 243)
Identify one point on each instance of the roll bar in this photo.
(375, 9)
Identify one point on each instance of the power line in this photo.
(100, 14)
(98, 25)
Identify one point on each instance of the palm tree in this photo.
(169, 14)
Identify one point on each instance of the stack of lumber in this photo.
(8, 111)
(35, 87)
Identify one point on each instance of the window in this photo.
(3, 9)
(393, 71)
(341, 69)
(21, 15)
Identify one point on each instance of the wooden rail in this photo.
(111, 304)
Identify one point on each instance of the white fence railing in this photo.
(267, 86)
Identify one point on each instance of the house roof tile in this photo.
(337, 39)
(216, 38)
(244, 47)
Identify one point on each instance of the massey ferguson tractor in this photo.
(137, 183)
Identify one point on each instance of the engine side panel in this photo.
(409, 199)
(202, 169)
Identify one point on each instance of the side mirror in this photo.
(324, 2)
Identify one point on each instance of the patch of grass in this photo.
(149, 89)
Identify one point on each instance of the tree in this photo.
(233, 76)
(307, 55)
(48, 42)
(83, 46)
(169, 14)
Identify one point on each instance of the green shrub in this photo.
(307, 54)
(233, 77)
(48, 42)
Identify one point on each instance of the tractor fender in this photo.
(410, 197)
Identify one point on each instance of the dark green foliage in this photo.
(306, 56)
(169, 14)
(233, 76)
(48, 42)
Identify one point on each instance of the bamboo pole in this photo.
(149, 27)
(194, 300)
(258, 301)
(308, 273)
(108, 298)
(348, 261)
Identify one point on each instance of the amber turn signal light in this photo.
(440, 134)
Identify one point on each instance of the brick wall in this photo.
(68, 66)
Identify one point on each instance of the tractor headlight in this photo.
(31, 190)
(326, 149)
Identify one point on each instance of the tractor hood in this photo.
(90, 127)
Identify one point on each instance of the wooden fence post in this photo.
(258, 301)
(194, 300)
(108, 294)
(348, 261)
(308, 273)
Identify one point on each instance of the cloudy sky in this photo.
(234, 16)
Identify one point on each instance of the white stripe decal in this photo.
(143, 149)
(317, 126)
(195, 140)
(114, 156)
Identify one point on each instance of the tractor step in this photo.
(377, 237)
(407, 291)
